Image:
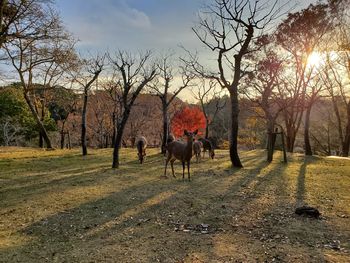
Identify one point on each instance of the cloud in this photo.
(98, 22)
(136, 18)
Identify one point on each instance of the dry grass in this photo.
(56, 206)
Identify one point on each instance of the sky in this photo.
(161, 26)
(130, 24)
(135, 24)
(138, 25)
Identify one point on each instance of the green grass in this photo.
(56, 206)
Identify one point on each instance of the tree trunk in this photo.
(62, 135)
(270, 145)
(290, 138)
(62, 139)
(114, 134)
(83, 124)
(118, 139)
(69, 142)
(38, 121)
(41, 140)
(165, 128)
(346, 143)
(206, 128)
(308, 150)
(42, 118)
(236, 162)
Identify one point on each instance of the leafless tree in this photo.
(208, 93)
(261, 87)
(133, 73)
(300, 34)
(46, 43)
(227, 28)
(162, 87)
(15, 12)
(10, 130)
(86, 76)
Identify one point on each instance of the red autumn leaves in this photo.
(189, 118)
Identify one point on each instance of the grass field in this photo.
(56, 206)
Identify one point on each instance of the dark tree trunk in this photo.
(165, 128)
(106, 141)
(62, 139)
(233, 89)
(42, 118)
(118, 139)
(41, 140)
(38, 122)
(62, 135)
(114, 134)
(308, 150)
(328, 141)
(290, 138)
(236, 162)
(83, 124)
(346, 143)
(206, 135)
(270, 138)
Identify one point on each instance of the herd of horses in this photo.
(179, 150)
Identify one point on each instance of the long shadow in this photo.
(301, 184)
(138, 221)
(65, 230)
(84, 176)
(82, 226)
(300, 193)
(279, 228)
(79, 179)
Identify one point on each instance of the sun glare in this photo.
(314, 60)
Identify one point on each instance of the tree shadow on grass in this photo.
(136, 220)
(137, 223)
(301, 191)
(62, 232)
(287, 236)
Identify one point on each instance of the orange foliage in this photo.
(189, 118)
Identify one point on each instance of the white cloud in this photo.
(94, 23)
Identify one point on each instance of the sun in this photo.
(315, 59)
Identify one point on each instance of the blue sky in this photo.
(134, 24)
(138, 25)
(130, 24)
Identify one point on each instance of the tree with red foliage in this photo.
(189, 118)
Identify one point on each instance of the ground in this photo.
(56, 206)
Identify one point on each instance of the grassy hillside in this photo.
(56, 206)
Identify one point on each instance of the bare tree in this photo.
(207, 93)
(45, 43)
(133, 74)
(262, 87)
(162, 87)
(227, 28)
(338, 86)
(299, 35)
(10, 130)
(85, 77)
(15, 12)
